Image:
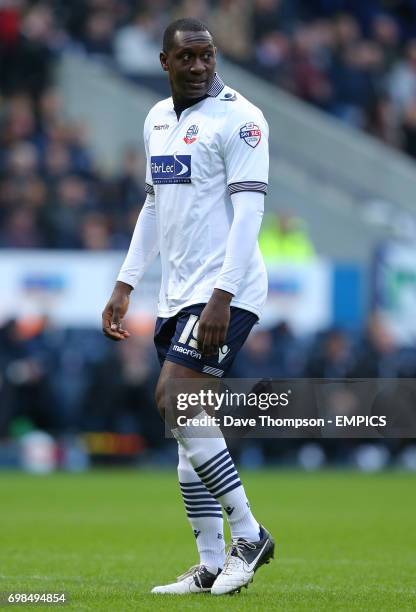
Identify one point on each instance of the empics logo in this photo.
(170, 169)
(191, 134)
(251, 134)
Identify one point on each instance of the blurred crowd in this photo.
(355, 60)
(51, 195)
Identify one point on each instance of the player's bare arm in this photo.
(114, 312)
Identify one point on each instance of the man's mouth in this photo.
(196, 83)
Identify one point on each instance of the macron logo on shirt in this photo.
(170, 169)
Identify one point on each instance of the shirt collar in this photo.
(216, 87)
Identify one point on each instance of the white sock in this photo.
(213, 464)
(204, 514)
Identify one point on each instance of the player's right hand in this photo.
(115, 311)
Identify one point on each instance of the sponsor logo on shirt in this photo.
(191, 134)
(170, 169)
(164, 126)
(251, 134)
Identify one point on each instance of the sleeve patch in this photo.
(251, 134)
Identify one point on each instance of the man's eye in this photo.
(207, 55)
(186, 57)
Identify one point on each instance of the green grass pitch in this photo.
(346, 541)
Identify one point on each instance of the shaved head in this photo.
(181, 25)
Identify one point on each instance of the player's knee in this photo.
(166, 402)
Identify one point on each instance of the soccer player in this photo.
(206, 178)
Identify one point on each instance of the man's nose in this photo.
(198, 66)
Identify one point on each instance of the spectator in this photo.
(270, 15)
(21, 230)
(230, 20)
(378, 354)
(26, 58)
(272, 59)
(385, 32)
(284, 239)
(95, 235)
(331, 356)
(197, 9)
(402, 83)
(63, 217)
(310, 79)
(357, 81)
(98, 34)
(129, 183)
(137, 46)
(25, 386)
(408, 126)
(119, 396)
(257, 357)
(18, 122)
(23, 160)
(271, 353)
(381, 121)
(57, 162)
(347, 32)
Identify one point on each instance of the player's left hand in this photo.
(214, 322)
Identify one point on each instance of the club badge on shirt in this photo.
(251, 134)
(191, 134)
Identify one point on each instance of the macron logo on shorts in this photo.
(170, 169)
(223, 352)
(186, 351)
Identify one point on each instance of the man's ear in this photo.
(164, 61)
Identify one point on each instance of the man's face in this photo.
(191, 64)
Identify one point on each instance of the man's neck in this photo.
(180, 105)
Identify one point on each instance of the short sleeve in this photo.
(246, 151)
(148, 186)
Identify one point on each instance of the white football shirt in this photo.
(218, 147)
